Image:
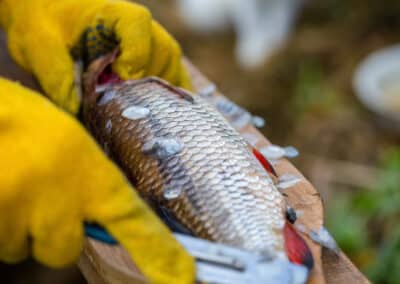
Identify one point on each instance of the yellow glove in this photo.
(42, 35)
(53, 177)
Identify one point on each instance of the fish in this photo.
(183, 157)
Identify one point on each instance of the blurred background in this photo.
(293, 62)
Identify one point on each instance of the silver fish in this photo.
(182, 155)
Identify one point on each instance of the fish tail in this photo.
(296, 248)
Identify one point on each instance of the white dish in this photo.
(377, 83)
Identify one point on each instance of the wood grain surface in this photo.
(101, 263)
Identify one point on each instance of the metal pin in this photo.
(236, 115)
(106, 97)
(208, 91)
(275, 152)
(108, 126)
(241, 120)
(272, 152)
(135, 112)
(251, 138)
(171, 193)
(325, 239)
(162, 147)
(291, 152)
(258, 121)
(287, 180)
(102, 88)
(226, 107)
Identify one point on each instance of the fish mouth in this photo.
(98, 76)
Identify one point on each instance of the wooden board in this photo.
(329, 267)
(101, 263)
(301, 197)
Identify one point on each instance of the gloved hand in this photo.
(42, 35)
(53, 177)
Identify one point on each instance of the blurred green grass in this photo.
(313, 95)
(366, 223)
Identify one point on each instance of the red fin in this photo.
(296, 248)
(267, 166)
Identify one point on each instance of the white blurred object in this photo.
(377, 84)
(205, 15)
(262, 26)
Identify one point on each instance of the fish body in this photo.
(183, 156)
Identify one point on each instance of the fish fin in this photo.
(264, 162)
(296, 248)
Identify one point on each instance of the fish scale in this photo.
(225, 195)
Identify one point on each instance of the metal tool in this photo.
(221, 264)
